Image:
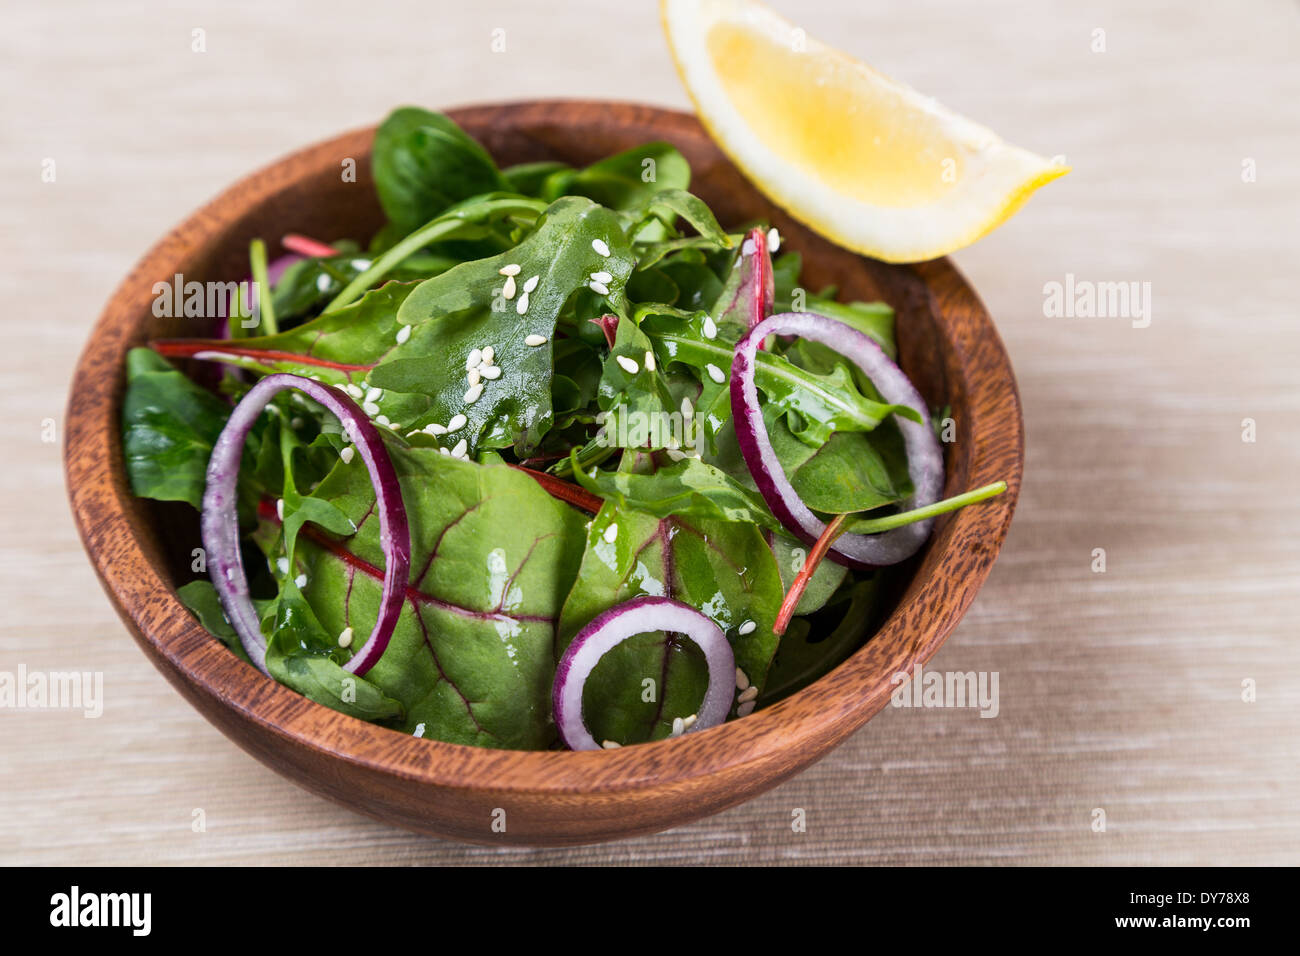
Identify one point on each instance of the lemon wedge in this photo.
(866, 161)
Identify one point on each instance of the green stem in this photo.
(430, 232)
(266, 310)
(889, 522)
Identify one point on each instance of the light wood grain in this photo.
(1119, 691)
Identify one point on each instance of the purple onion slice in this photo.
(924, 455)
(611, 628)
(219, 522)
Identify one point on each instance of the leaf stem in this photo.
(889, 522)
(429, 232)
(815, 556)
(266, 310)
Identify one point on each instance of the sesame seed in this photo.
(747, 247)
(473, 376)
(715, 373)
(492, 372)
(419, 731)
(394, 426)
(489, 354)
(345, 637)
(383, 419)
(675, 454)
(602, 277)
(745, 709)
(403, 334)
(748, 627)
(599, 288)
(611, 744)
(687, 408)
(742, 679)
(679, 727)
(628, 365)
(611, 533)
(279, 508)
(649, 360)
(689, 722)
(510, 270)
(457, 421)
(346, 454)
(282, 564)
(531, 284)
(773, 240)
(300, 581)
(475, 357)
(601, 248)
(370, 408)
(522, 305)
(710, 328)
(748, 694)
(534, 340)
(462, 446)
(433, 428)
(472, 395)
(444, 451)
(508, 290)
(374, 395)
(354, 390)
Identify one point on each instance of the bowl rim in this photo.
(201, 665)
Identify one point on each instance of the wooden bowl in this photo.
(948, 346)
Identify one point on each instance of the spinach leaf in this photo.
(855, 471)
(808, 652)
(465, 309)
(169, 425)
(423, 163)
(689, 488)
(826, 577)
(201, 598)
(629, 180)
(723, 568)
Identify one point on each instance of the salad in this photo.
(553, 460)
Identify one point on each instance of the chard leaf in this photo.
(492, 557)
(423, 163)
(722, 568)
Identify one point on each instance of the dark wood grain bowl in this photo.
(948, 345)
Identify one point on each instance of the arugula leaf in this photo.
(169, 425)
(723, 568)
(423, 162)
(817, 405)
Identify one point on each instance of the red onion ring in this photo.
(219, 522)
(924, 455)
(611, 628)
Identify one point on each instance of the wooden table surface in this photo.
(1120, 691)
